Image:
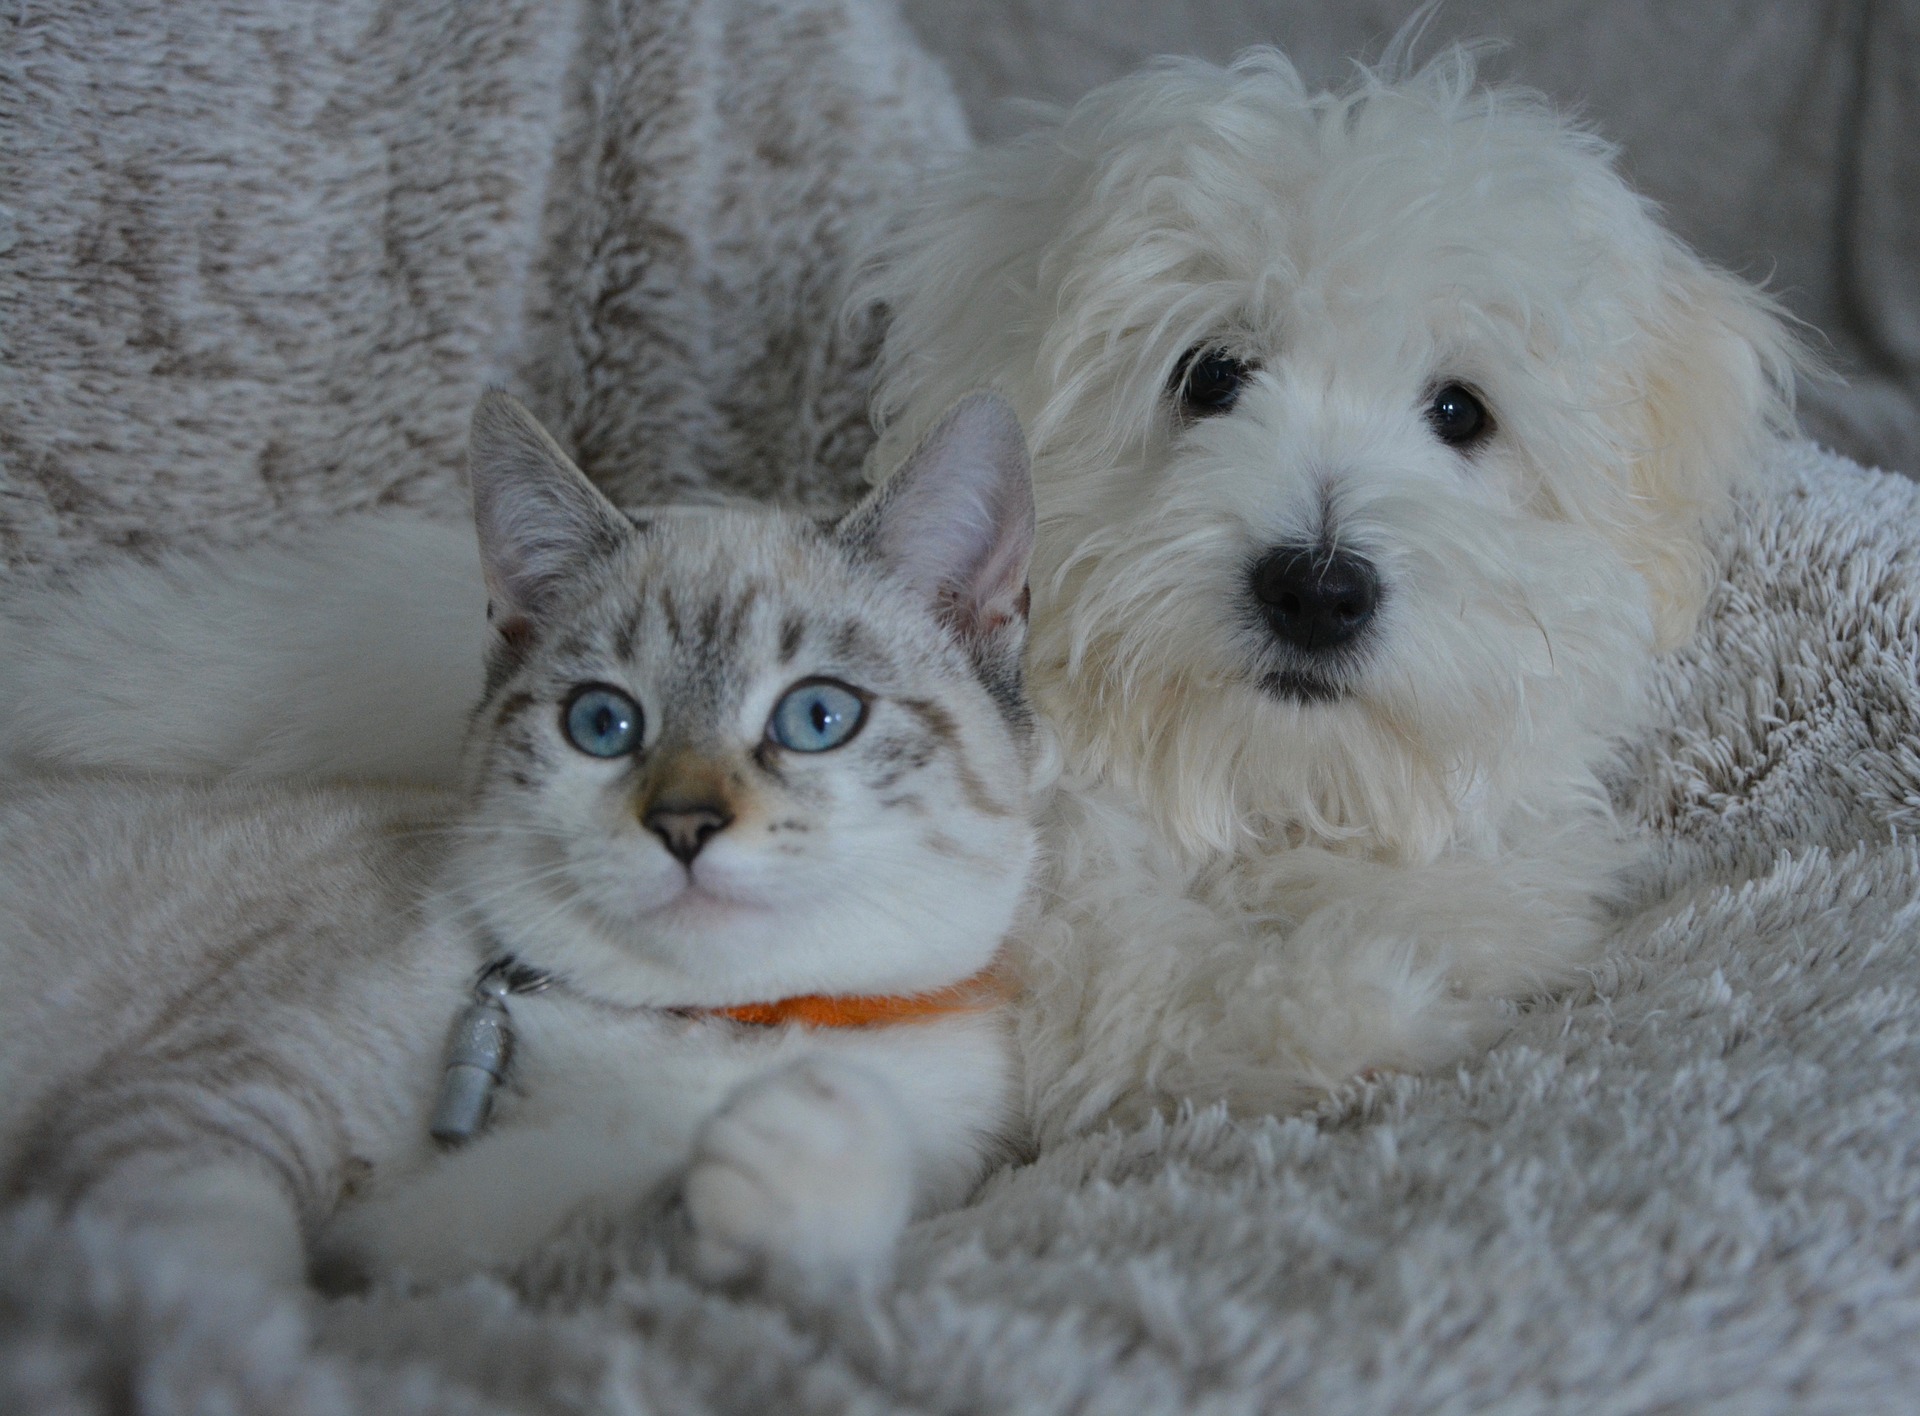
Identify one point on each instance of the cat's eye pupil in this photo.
(1457, 417)
(602, 721)
(1206, 381)
(817, 716)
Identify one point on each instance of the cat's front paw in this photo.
(806, 1173)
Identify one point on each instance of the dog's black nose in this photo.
(1315, 597)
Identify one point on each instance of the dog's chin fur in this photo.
(1273, 869)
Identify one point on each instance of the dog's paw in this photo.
(805, 1173)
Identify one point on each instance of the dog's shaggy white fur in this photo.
(1376, 437)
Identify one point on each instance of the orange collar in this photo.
(986, 989)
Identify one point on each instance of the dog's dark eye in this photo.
(1205, 381)
(1459, 419)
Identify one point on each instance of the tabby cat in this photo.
(714, 915)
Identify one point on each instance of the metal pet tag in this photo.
(477, 1055)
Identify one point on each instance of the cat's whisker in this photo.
(480, 830)
(516, 886)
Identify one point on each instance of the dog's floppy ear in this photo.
(1715, 381)
(956, 521)
(540, 520)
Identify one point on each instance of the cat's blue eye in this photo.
(816, 715)
(602, 721)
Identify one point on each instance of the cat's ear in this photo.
(956, 521)
(541, 522)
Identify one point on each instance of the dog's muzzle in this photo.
(1316, 603)
(1315, 598)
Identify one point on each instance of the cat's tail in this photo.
(354, 652)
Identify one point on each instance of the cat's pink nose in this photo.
(686, 827)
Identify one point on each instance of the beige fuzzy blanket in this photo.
(258, 256)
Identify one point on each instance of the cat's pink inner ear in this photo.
(513, 629)
(956, 521)
(541, 523)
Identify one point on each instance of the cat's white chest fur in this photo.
(768, 1131)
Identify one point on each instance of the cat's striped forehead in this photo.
(703, 603)
(707, 622)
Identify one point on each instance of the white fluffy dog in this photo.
(1377, 436)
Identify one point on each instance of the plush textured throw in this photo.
(259, 257)
(1693, 1185)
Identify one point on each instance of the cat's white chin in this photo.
(696, 904)
(711, 891)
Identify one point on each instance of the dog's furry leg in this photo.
(1266, 983)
